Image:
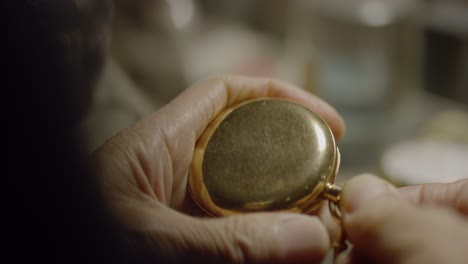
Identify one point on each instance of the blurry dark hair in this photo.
(60, 44)
(54, 50)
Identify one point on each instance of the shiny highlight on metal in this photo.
(265, 155)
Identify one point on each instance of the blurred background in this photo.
(396, 70)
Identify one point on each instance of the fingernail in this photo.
(302, 237)
(361, 189)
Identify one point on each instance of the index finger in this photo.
(453, 195)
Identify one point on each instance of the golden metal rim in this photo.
(201, 196)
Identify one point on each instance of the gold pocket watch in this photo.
(265, 155)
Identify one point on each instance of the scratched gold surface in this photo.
(268, 154)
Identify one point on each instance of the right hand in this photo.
(416, 224)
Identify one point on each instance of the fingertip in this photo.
(343, 258)
(361, 189)
(337, 125)
(302, 238)
(279, 88)
(319, 106)
(350, 256)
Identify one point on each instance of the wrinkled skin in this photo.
(414, 224)
(144, 175)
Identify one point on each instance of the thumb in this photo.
(248, 238)
(369, 206)
(384, 227)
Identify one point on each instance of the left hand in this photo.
(144, 172)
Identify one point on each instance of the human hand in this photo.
(415, 224)
(144, 172)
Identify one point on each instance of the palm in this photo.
(144, 168)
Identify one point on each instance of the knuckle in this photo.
(247, 243)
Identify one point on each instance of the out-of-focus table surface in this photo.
(416, 119)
